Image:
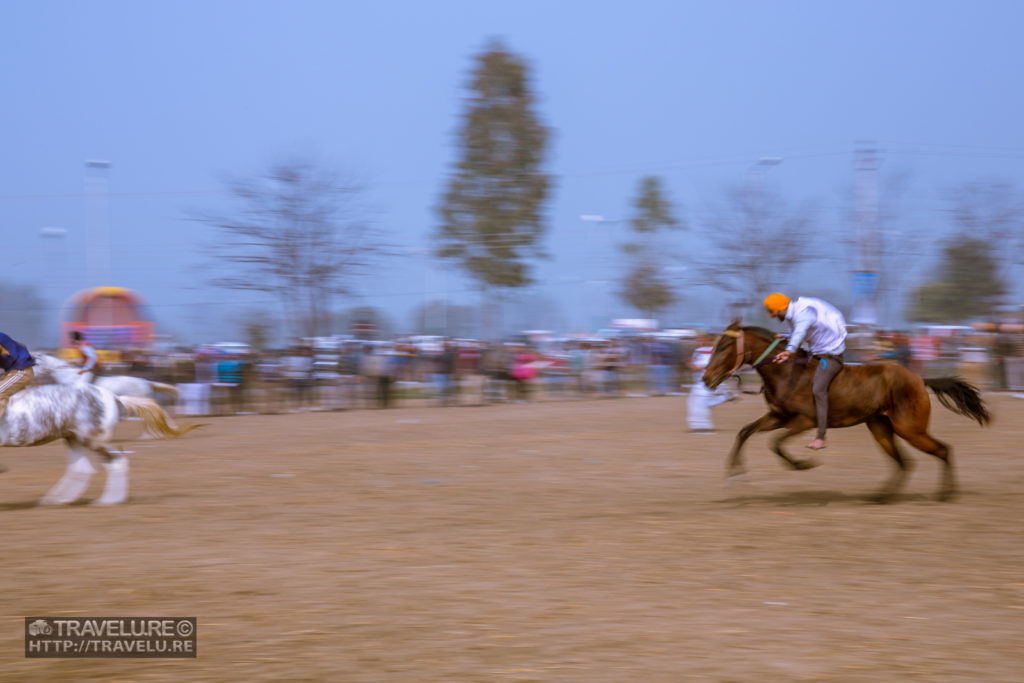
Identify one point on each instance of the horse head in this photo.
(727, 356)
(60, 371)
(739, 345)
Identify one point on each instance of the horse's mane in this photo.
(48, 360)
(764, 333)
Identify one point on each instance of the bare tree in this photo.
(26, 315)
(443, 317)
(300, 235)
(992, 211)
(756, 239)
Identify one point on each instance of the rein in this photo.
(761, 358)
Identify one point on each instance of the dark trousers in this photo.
(828, 367)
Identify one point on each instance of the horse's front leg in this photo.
(75, 480)
(798, 424)
(765, 423)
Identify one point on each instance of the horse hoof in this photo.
(736, 475)
(945, 496)
(49, 502)
(805, 464)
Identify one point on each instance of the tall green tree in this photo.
(491, 217)
(645, 284)
(969, 285)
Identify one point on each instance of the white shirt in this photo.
(702, 356)
(819, 324)
(89, 356)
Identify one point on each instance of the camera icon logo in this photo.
(40, 627)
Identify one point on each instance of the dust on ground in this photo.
(557, 541)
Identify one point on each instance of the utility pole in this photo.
(866, 275)
(600, 264)
(97, 249)
(756, 200)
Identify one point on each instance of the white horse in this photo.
(84, 415)
(63, 372)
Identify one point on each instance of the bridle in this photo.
(741, 354)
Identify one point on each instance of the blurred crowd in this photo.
(337, 374)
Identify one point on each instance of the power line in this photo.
(942, 150)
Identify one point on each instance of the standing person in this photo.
(89, 358)
(923, 352)
(16, 362)
(823, 328)
(379, 371)
(578, 368)
(659, 366)
(523, 371)
(497, 366)
(445, 368)
(612, 360)
(229, 376)
(701, 399)
(299, 372)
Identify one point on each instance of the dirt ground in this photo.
(557, 541)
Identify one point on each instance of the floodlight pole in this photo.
(97, 249)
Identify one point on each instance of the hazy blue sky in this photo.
(176, 95)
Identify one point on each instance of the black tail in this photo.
(961, 397)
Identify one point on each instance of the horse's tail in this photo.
(164, 388)
(961, 397)
(156, 421)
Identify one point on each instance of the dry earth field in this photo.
(556, 541)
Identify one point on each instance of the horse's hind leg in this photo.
(919, 438)
(76, 476)
(882, 429)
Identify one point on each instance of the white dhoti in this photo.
(700, 402)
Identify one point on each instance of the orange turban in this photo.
(776, 303)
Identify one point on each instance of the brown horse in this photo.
(889, 398)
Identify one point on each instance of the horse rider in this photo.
(16, 362)
(821, 327)
(89, 356)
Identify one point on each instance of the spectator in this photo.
(298, 368)
(702, 399)
(660, 365)
(524, 372)
(229, 376)
(445, 372)
(378, 369)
